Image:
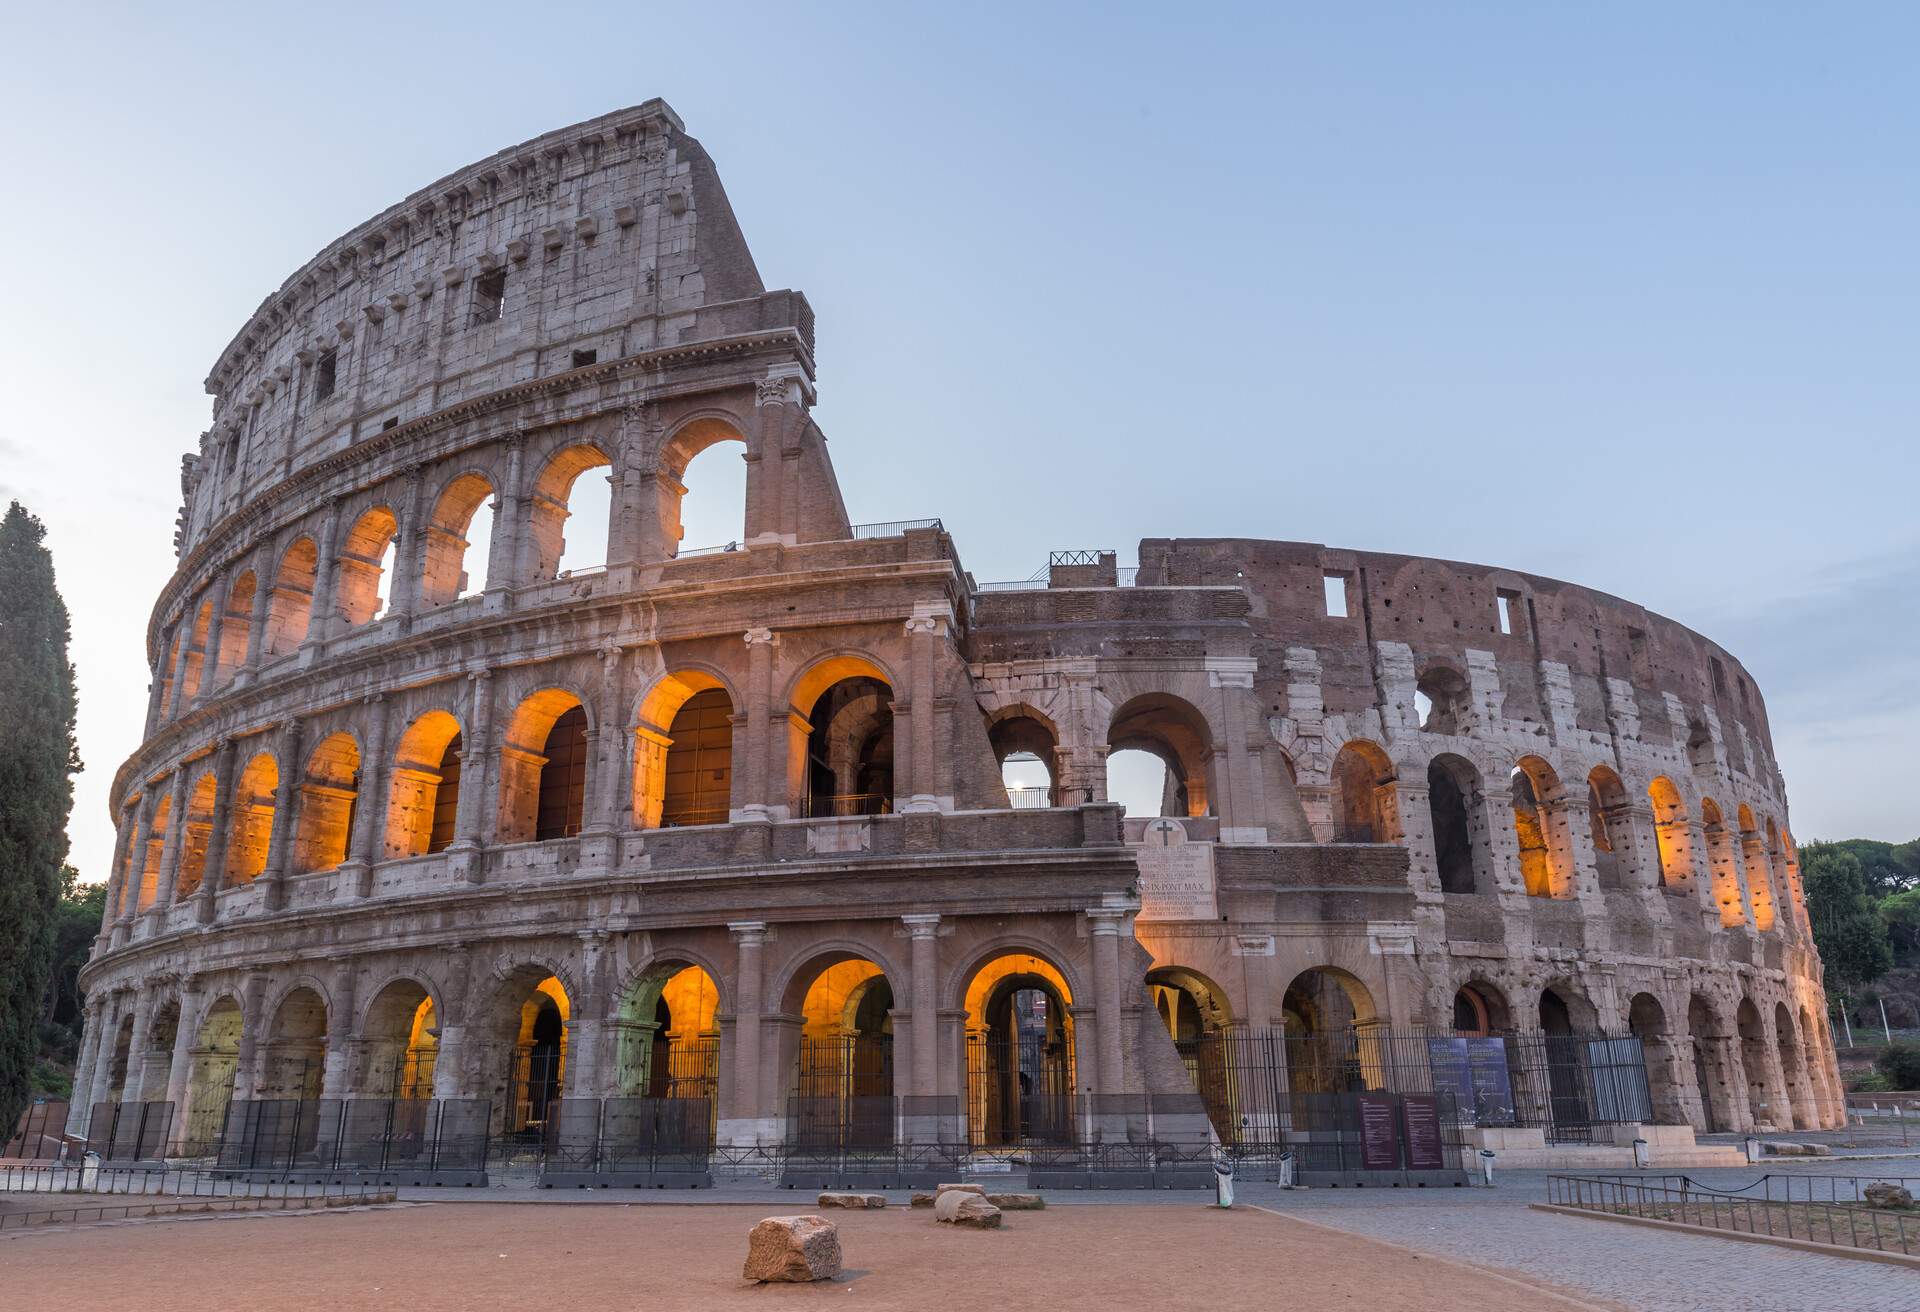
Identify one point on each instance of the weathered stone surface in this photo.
(1789, 1148)
(962, 1208)
(1018, 1202)
(852, 1201)
(961, 1188)
(793, 1249)
(1887, 1195)
(922, 1200)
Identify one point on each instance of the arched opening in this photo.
(1566, 1021)
(172, 644)
(843, 1073)
(1607, 824)
(211, 1064)
(1365, 810)
(1720, 860)
(461, 519)
(1480, 1010)
(197, 651)
(1334, 1044)
(150, 861)
(571, 513)
(1753, 851)
(1023, 743)
(329, 792)
(1700, 753)
(401, 1043)
(195, 837)
(252, 819)
(531, 1025)
(364, 570)
(148, 1082)
(543, 769)
(668, 1047)
(1800, 1113)
(1546, 866)
(423, 797)
(1815, 1045)
(710, 503)
(1443, 700)
(1647, 1021)
(1020, 1060)
(1174, 732)
(290, 608)
(293, 1058)
(849, 759)
(683, 752)
(1459, 838)
(235, 622)
(1198, 1020)
(1709, 1077)
(121, 1060)
(1671, 833)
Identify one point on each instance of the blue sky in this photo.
(1619, 295)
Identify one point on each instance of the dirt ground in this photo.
(656, 1258)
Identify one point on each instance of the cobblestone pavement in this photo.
(1635, 1266)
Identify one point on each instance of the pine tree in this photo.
(38, 758)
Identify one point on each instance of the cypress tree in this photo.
(38, 758)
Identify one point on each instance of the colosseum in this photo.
(809, 835)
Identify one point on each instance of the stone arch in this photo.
(1333, 1044)
(170, 641)
(444, 576)
(1564, 1009)
(1755, 1054)
(1020, 1050)
(251, 818)
(692, 441)
(841, 1062)
(1647, 1021)
(1018, 732)
(329, 792)
(120, 1059)
(1754, 859)
(1540, 827)
(1609, 827)
(523, 1038)
(236, 623)
(1723, 864)
(195, 836)
(293, 1054)
(399, 1039)
(847, 766)
(1189, 1004)
(290, 607)
(1802, 1114)
(1443, 699)
(1172, 729)
(1481, 1009)
(1673, 834)
(683, 769)
(551, 502)
(423, 794)
(667, 1032)
(158, 825)
(544, 767)
(1708, 1037)
(1462, 852)
(194, 680)
(148, 1081)
(211, 1066)
(362, 569)
(1365, 809)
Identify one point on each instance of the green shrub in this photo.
(1899, 1065)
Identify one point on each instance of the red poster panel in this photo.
(1421, 1112)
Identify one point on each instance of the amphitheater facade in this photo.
(737, 820)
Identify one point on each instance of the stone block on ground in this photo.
(852, 1201)
(1887, 1195)
(961, 1188)
(793, 1249)
(921, 1200)
(1018, 1202)
(964, 1208)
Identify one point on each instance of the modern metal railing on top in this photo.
(893, 528)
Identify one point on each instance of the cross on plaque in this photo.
(1165, 828)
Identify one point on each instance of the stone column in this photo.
(509, 507)
(1106, 924)
(745, 1120)
(79, 1106)
(323, 618)
(183, 632)
(155, 705)
(343, 1032)
(262, 607)
(409, 552)
(210, 650)
(170, 854)
(253, 1027)
(355, 876)
(764, 465)
(924, 930)
(286, 797)
(765, 748)
(180, 1064)
(214, 876)
(136, 871)
(1238, 792)
(137, 1050)
(110, 1012)
(919, 791)
(478, 812)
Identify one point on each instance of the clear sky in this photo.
(1622, 294)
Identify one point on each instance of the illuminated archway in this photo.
(683, 752)
(251, 819)
(293, 1057)
(423, 795)
(329, 792)
(401, 1043)
(1020, 1052)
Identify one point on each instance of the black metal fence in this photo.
(95, 1193)
(1822, 1208)
(603, 1141)
(39, 1135)
(1019, 1091)
(422, 1138)
(129, 1131)
(1259, 1085)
